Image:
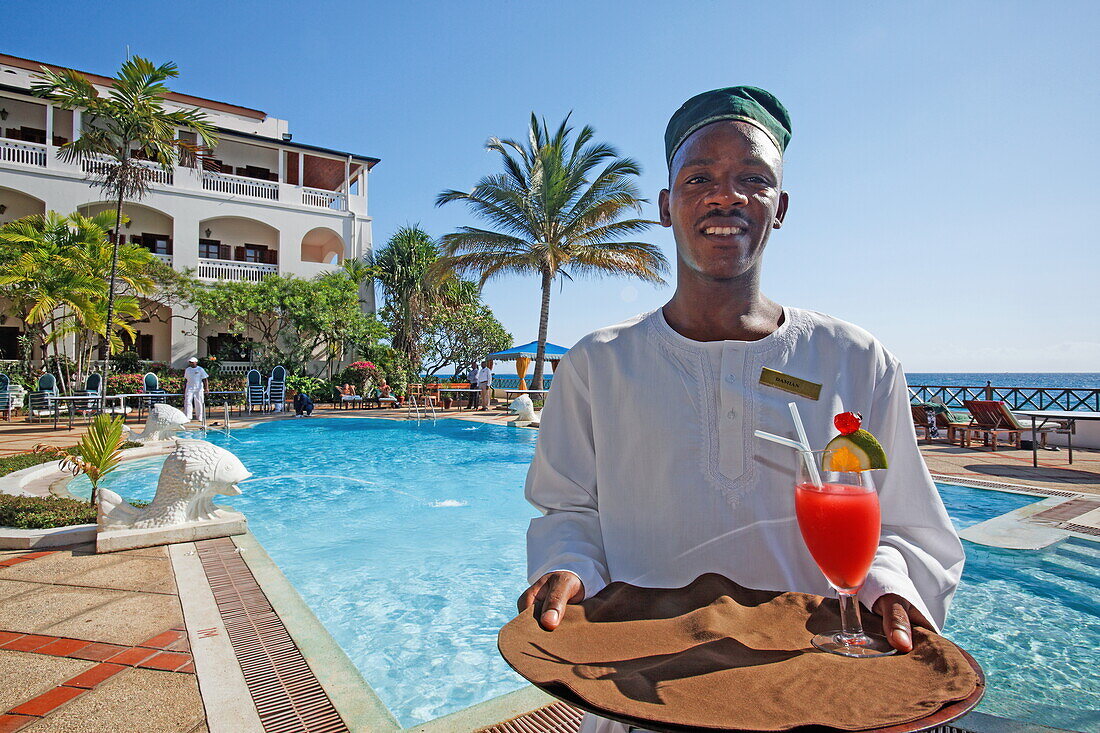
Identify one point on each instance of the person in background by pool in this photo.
(194, 390)
(303, 405)
(472, 395)
(485, 383)
(646, 468)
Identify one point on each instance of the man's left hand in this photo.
(898, 618)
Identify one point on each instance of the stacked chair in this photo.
(40, 402)
(255, 394)
(276, 388)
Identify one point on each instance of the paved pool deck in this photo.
(162, 639)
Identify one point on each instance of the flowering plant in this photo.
(362, 373)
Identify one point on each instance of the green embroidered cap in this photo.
(747, 104)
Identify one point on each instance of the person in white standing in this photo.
(484, 383)
(194, 390)
(646, 470)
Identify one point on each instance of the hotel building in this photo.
(263, 204)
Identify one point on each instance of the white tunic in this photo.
(647, 470)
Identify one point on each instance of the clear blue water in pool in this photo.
(407, 541)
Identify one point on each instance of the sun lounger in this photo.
(943, 419)
(992, 418)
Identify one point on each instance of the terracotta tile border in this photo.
(47, 702)
(111, 658)
(25, 557)
(92, 677)
(11, 723)
(97, 651)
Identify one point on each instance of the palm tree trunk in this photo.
(104, 349)
(544, 320)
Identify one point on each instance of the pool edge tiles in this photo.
(351, 695)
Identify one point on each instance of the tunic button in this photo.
(730, 379)
(731, 414)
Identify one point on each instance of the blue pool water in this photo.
(415, 563)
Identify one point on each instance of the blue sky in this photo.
(942, 169)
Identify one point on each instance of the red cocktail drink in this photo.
(838, 515)
(840, 525)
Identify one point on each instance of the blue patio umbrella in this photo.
(522, 356)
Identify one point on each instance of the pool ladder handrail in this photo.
(413, 405)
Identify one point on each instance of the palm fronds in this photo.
(556, 210)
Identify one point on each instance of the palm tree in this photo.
(129, 135)
(557, 207)
(41, 280)
(55, 279)
(404, 269)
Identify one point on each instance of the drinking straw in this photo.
(781, 440)
(806, 455)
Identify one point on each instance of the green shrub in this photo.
(34, 512)
(127, 362)
(306, 385)
(18, 462)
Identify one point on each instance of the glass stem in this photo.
(851, 627)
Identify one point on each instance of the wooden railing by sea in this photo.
(1017, 398)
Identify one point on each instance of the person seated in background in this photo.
(303, 405)
(385, 395)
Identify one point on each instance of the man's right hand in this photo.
(549, 594)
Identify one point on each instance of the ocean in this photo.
(1047, 380)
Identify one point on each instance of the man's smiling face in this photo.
(723, 200)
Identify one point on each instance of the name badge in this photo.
(787, 383)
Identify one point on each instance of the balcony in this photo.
(100, 165)
(326, 199)
(166, 259)
(229, 271)
(14, 151)
(265, 185)
(240, 186)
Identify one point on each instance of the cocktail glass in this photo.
(840, 523)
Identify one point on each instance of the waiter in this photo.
(655, 491)
(194, 390)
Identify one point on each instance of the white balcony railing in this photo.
(240, 186)
(15, 151)
(100, 165)
(234, 271)
(166, 259)
(326, 199)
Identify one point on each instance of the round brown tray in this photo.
(946, 714)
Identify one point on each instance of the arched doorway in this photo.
(323, 245)
(16, 205)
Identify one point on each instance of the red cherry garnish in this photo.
(847, 422)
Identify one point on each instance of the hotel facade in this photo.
(263, 204)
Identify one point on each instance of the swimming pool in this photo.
(407, 541)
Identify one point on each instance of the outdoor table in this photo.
(1046, 416)
(71, 402)
(539, 392)
(464, 390)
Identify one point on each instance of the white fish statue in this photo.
(525, 412)
(163, 423)
(192, 474)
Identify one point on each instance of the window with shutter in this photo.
(239, 254)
